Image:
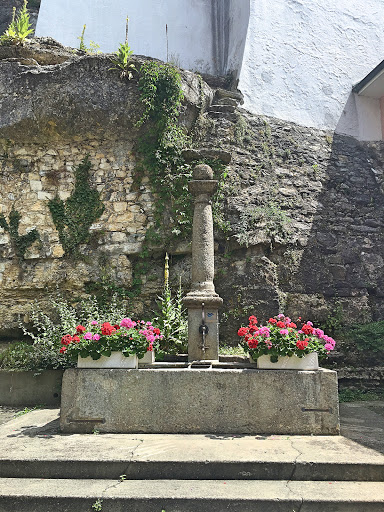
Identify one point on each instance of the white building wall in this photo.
(301, 56)
(203, 35)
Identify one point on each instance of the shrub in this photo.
(367, 337)
(47, 330)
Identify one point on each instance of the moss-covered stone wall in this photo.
(299, 224)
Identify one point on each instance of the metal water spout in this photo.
(202, 301)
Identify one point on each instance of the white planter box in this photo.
(308, 362)
(148, 358)
(116, 360)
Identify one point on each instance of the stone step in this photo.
(222, 108)
(33, 447)
(227, 101)
(199, 470)
(216, 114)
(67, 495)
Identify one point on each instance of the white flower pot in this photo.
(148, 358)
(115, 360)
(308, 362)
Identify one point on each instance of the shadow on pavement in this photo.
(363, 422)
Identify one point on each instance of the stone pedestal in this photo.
(202, 301)
(198, 401)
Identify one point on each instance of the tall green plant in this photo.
(171, 318)
(93, 47)
(122, 61)
(74, 217)
(20, 27)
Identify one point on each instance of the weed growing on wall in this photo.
(93, 47)
(74, 217)
(20, 27)
(122, 61)
(271, 217)
(20, 243)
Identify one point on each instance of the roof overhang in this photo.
(372, 86)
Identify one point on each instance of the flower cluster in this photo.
(282, 337)
(101, 339)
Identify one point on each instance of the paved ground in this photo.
(362, 422)
(8, 413)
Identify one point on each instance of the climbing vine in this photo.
(74, 217)
(160, 148)
(20, 243)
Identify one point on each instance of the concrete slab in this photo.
(51, 454)
(183, 400)
(186, 495)
(8, 413)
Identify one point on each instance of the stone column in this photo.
(202, 296)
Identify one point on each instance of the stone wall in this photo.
(306, 208)
(300, 210)
(51, 117)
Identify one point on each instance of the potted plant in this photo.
(281, 344)
(102, 345)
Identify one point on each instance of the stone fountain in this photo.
(202, 301)
(202, 395)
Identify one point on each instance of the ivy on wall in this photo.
(74, 217)
(160, 148)
(20, 243)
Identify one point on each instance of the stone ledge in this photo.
(26, 388)
(216, 401)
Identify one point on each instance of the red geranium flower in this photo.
(76, 339)
(293, 325)
(252, 343)
(252, 320)
(272, 321)
(107, 329)
(307, 329)
(242, 331)
(80, 329)
(63, 349)
(302, 344)
(280, 324)
(117, 327)
(156, 330)
(66, 340)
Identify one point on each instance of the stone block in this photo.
(188, 400)
(26, 388)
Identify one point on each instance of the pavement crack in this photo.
(122, 478)
(140, 442)
(295, 462)
(301, 502)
